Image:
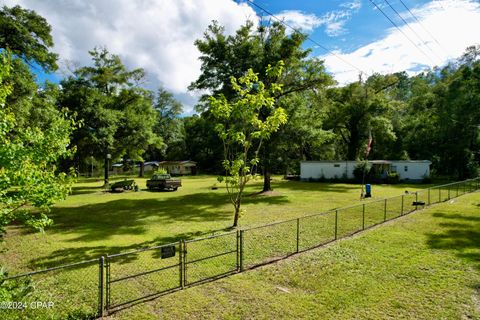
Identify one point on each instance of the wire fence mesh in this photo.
(69, 292)
(271, 242)
(349, 220)
(316, 230)
(143, 273)
(89, 288)
(211, 257)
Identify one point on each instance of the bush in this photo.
(427, 179)
(393, 178)
(359, 170)
(13, 290)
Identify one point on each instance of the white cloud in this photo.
(333, 21)
(155, 35)
(353, 5)
(454, 23)
(300, 20)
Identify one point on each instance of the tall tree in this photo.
(168, 125)
(224, 56)
(29, 181)
(117, 115)
(27, 35)
(202, 142)
(356, 110)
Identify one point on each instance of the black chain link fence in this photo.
(91, 288)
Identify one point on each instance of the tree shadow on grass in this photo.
(101, 221)
(77, 254)
(460, 233)
(86, 190)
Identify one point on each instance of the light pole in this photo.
(107, 158)
(91, 166)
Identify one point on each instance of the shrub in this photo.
(13, 290)
(359, 170)
(393, 178)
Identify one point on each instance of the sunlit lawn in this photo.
(92, 222)
(422, 266)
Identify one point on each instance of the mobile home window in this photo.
(336, 165)
(406, 168)
(394, 168)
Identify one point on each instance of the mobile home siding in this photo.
(414, 170)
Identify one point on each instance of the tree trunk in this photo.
(267, 186)
(105, 179)
(352, 148)
(142, 169)
(236, 216)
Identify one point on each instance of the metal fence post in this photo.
(428, 196)
(448, 192)
(107, 289)
(298, 234)
(385, 211)
(457, 189)
(439, 194)
(180, 258)
(185, 252)
(416, 200)
(336, 224)
(238, 250)
(101, 280)
(401, 208)
(241, 250)
(363, 217)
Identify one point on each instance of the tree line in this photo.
(103, 108)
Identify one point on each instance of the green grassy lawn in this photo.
(91, 223)
(421, 266)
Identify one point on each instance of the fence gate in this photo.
(143, 273)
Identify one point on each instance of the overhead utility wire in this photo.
(312, 40)
(414, 32)
(423, 27)
(396, 26)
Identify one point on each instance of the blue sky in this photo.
(158, 35)
(361, 26)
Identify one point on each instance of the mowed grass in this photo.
(422, 266)
(91, 222)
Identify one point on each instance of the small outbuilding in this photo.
(179, 167)
(411, 170)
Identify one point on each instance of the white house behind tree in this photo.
(179, 167)
(412, 170)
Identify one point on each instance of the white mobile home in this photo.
(413, 170)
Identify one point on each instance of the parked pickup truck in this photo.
(163, 182)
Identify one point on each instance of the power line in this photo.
(413, 31)
(308, 37)
(398, 28)
(423, 27)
